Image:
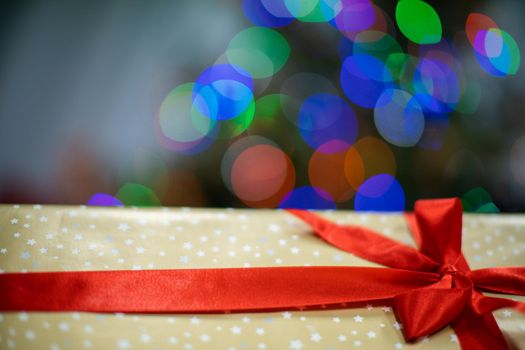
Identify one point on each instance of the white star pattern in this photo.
(296, 344)
(274, 228)
(315, 337)
(145, 338)
(398, 325)
(63, 326)
(358, 319)
(236, 330)
(30, 335)
(103, 249)
(123, 227)
(123, 344)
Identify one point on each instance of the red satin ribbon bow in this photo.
(430, 288)
(456, 299)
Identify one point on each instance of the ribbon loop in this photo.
(439, 222)
(427, 310)
(430, 288)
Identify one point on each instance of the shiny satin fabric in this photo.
(455, 299)
(430, 288)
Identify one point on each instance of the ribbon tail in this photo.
(489, 304)
(507, 280)
(478, 332)
(367, 244)
(204, 290)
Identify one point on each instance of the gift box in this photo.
(60, 238)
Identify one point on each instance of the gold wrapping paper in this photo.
(60, 238)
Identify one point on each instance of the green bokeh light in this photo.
(418, 21)
(478, 200)
(179, 119)
(260, 51)
(511, 62)
(235, 126)
(134, 194)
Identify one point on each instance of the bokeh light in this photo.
(297, 88)
(180, 124)
(261, 175)
(259, 15)
(324, 118)
(104, 200)
(496, 50)
(307, 197)
(399, 118)
(326, 171)
(354, 16)
(312, 10)
(470, 97)
(257, 171)
(223, 92)
(260, 51)
(475, 23)
(418, 21)
(436, 86)
(364, 78)
(277, 8)
(368, 157)
(264, 103)
(134, 194)
(478, 200)
(234, 150)
(380, 193)
(380, 48)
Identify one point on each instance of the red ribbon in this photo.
(429, 288)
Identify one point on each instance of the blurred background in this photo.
(347, 104)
